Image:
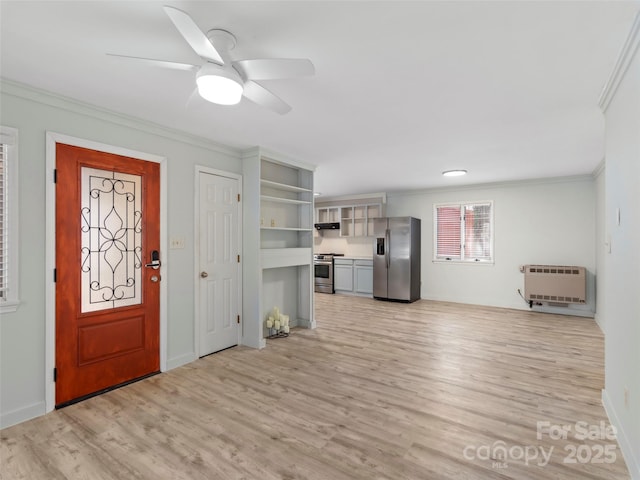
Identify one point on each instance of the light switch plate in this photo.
(176, 242)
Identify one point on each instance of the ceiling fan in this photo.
(222, 80)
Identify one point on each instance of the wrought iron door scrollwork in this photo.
(111, 226)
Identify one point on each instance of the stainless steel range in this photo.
(323, 271)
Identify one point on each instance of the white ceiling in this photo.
(402, 91)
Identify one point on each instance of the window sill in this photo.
(465, 262)
(9, 306)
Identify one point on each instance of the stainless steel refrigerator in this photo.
(396, 259)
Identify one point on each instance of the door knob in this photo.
(204, 275)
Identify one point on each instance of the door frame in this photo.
(50, 242)
(199, 169)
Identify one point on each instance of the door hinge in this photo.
(238, 197)
(238, 258)
(55, 374)
(55, 175)
(55, 275)
(238, 318)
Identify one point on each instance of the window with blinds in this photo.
(8, 219)
(464, 232)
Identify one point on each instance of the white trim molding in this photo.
(633, 462)
(52, 139)
(61, 102)
(10, 138)
(22, 414)
(629, 49)
(599, 169)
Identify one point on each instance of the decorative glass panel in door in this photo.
(111, 245)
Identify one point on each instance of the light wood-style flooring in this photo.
(378, 391)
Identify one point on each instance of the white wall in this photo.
(22, 334)
(621, 312)
(330, 241)
(537, 222)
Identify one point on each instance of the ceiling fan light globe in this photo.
(220, 86)
(220, 90)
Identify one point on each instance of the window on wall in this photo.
(8, 219)
(464, 232)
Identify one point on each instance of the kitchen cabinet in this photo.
(363, 277)
(357, 220)
(343, 275)
(328, 214)
(353, 276)
(277, 242)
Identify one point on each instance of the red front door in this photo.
(107, 300)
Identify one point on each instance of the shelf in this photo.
(283, 186)
(285, 257)
(291, 201)
(288, 229)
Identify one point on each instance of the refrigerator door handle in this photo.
(387, 240)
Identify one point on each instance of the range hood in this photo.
(327, 226)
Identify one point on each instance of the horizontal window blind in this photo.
(449, 238)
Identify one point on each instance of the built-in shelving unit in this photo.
(355, 220)
(328, 214)
(281, 273)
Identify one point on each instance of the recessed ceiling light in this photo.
(454, 173)
(317, 194)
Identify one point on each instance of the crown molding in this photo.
(625, 57)
(492, 185)
(265, 153)
(27, 92)
(377, 196)
(599, 169)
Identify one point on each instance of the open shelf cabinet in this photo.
(357, 220)
(281, 272)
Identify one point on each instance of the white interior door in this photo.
(219, 262)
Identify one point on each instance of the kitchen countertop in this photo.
(353, 257)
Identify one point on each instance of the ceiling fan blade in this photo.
(277, 68)
(192, 98)
(193, 35)
(263, 97)
(158, 63)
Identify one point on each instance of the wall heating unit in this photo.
(555, 284)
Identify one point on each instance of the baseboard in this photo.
(520, 305)
(181, 360)
(304, 323)
(22, 414)
(633, 462)
(575, 312)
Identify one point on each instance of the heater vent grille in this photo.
(555, 283)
